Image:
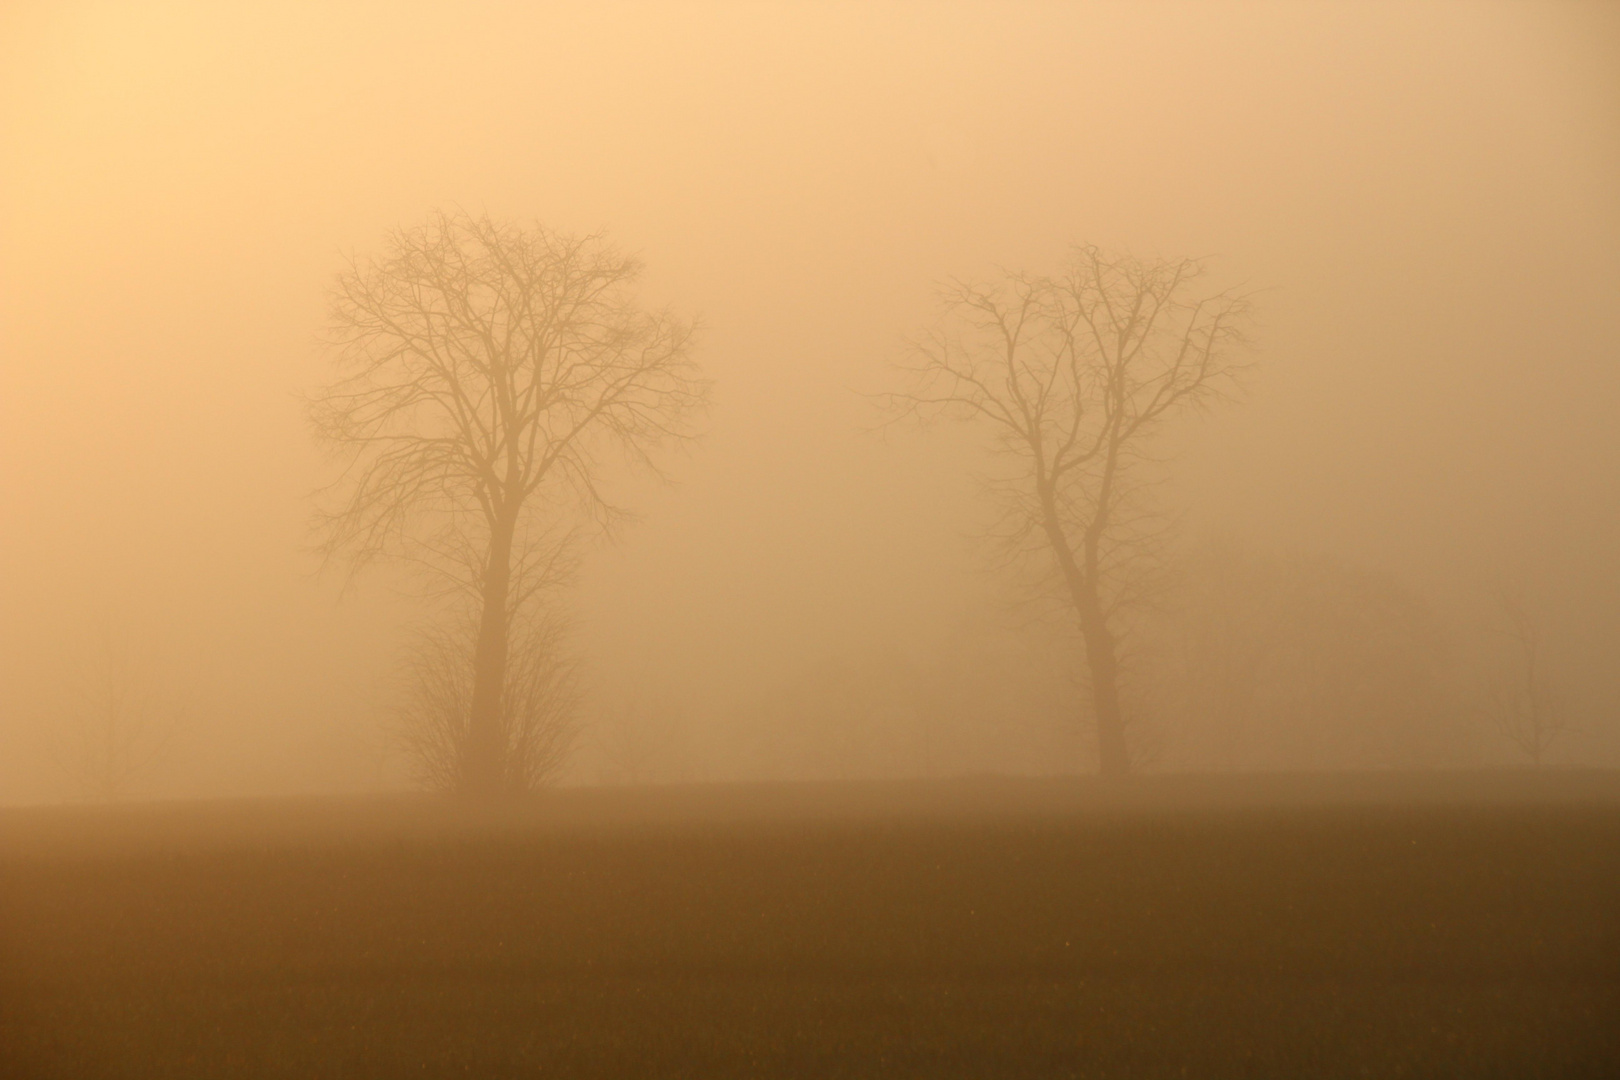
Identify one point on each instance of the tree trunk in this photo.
(1102, 652)
(1102, 658)
(483, 757)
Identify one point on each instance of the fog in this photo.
(1423, 201)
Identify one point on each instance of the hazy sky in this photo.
(1430, 195)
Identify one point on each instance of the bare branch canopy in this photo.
(1073, 374)
(489, 372)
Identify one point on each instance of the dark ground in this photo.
(1381, 926)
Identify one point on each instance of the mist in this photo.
(1421, 201)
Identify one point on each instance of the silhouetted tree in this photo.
(1075, 374)
(119, 726)
(538, 721)
(1522, 703)
(488, 370)
(1266, 661)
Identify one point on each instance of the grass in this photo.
(1371, 926)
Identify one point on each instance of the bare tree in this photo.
(1075, 374)
(1522, 703)
(488, 369)
(1268, 661)
(119, 727)
(539, 704)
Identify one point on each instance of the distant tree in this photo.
(1522, 703)
(488, 369)
(119, 726)
(538, 722)
(1075, 374)
(1267, 661)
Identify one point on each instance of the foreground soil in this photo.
(1292, 927)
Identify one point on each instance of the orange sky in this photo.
(1428, 193)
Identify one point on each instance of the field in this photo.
(1395, 925)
